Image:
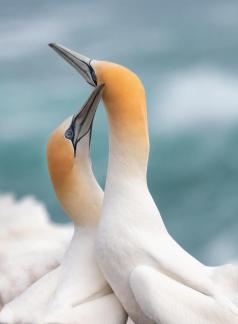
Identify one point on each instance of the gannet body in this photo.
(130, 212)
(31, 245)
(76, 289)
(134, 250)
(165, 300)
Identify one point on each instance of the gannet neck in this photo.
(125, 102)
(75, 185)
(134, 251)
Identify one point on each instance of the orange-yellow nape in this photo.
(60, 154)
(125, 101)
(72, 177)
(61, 165)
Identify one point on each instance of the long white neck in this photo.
(126, 187)
(125, 165)
(87, 195)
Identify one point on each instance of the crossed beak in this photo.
(82, 122)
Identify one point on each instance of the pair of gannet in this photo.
(76, 291)
(152, 276)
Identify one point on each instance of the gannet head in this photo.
(69, 163)
(123, 95)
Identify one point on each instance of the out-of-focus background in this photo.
(186, 53)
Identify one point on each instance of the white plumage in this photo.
(154, 278)
(75, 291)
(30, 244)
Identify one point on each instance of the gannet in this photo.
(76, 291)
(155, 279)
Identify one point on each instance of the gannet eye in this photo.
(82, 122)
(69, 134)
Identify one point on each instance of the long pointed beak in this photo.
(80, 62)
(82, 122)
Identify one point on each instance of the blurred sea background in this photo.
(186, 53)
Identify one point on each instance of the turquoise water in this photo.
(186, 54)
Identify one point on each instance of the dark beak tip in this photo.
(55, 46)
(51, 45)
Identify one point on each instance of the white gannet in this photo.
(24, 254)
(149, 272)
(76, 291)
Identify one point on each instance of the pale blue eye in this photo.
(69, 134)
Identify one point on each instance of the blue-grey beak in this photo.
(80, 62)
(82, 122)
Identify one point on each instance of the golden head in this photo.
(123, 95)
(70, 165)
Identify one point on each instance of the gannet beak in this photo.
(82, 122)
(81, 63)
